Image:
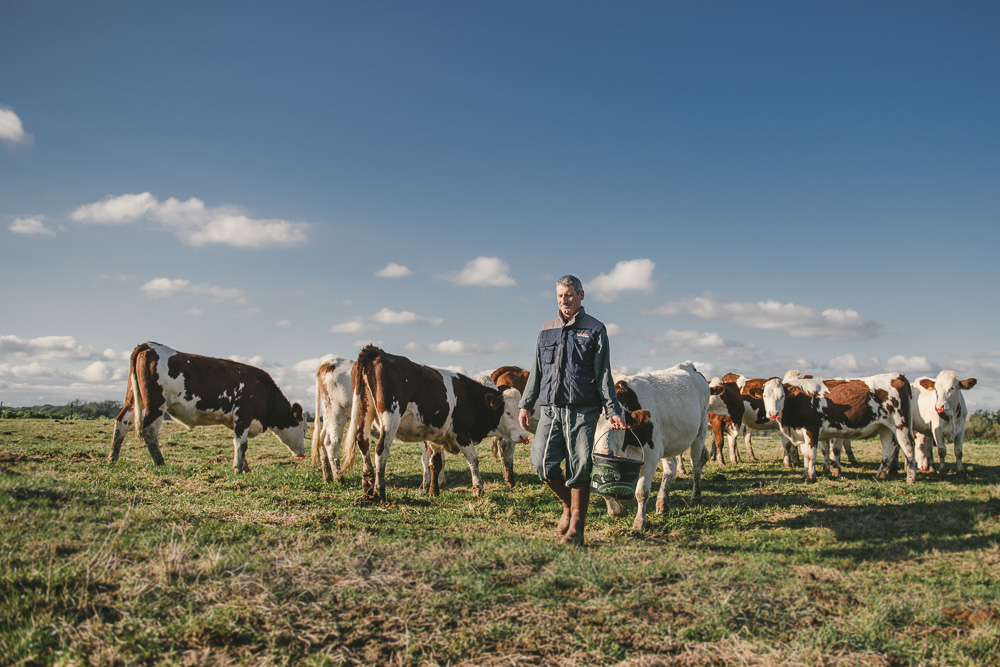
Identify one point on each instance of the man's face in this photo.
(569, 300)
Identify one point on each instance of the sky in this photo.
(752, 186)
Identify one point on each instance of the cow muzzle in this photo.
(773, 416)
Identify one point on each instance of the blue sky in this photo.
(754, 186)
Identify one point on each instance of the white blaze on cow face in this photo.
(715, 403)
(774, 399)
(509, 426)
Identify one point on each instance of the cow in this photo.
(732, 397)
(722, 427)
(810, 409)
(333, 412)
(667, 413)
(939, 414)
(511, 377)
(452, 412)
(203, 391)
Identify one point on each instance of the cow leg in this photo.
(472, 457)
(809, 446)
(734, 456)
(904, 437)
(240, 464)
(748, 441)
(507, 458)
(942, 448)
(680, 465)
(333, 432)
(425, 466)
(791, 457)
(669, 474)
(643, 487)
(436, 461)
(922, 452)
(849, 450)
(959, 466)
(698, 462)
(836, 444)
(151, 436)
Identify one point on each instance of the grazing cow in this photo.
(511, 377)
(732, 396)
(667, 413)
(939, 414)
(450, 411)
(203, 391)
(333, 412)
(811, 409)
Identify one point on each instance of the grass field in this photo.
(190, 564)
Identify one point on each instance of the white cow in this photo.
(333, 413)
(939, 415)
(667, 414)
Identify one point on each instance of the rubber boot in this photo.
(580, 502)
(557, 485)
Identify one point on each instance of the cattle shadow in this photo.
(885, 533)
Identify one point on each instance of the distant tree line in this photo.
(983, 425)
(72, 410)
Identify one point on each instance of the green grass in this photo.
(126, 563)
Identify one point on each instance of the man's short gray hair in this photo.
(571, 281)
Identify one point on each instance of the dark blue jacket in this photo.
(572, 366)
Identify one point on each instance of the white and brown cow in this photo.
(204, 391)
(452, 412)
(939, 415)
(333, 412)
(733, 397)
(667, 414)
(811, 409)
(504, 378)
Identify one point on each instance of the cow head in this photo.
(947, 396)
(773, 395)
(715, 403)
(506, 404)
(294, 436)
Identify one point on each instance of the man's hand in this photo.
(524, 418)
(617, 423)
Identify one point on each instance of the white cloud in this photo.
(283, 323)
(46, 348)
(459, 348)
(11, 129)
(903, 364)
(98, 371)
(675, 342)
(393, 270)
(844, 364)
(386, 316)
(192, 222)
(161, 288)
(634, 275)
(354, 326)
(483, 272)
(30, 226)
(796, 321)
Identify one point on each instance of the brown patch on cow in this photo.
(513, 377)
(626, 396)
(847, 404)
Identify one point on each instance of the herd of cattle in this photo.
(668, 412)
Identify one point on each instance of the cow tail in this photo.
(358, 409)
(318, 418)
(136, 399)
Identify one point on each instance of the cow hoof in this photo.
(835, 473)
(810, 480)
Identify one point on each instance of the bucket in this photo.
(614, 476)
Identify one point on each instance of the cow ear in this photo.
(967, 384)
(756, 392)
(297, 411)
(717, 390)
(927, 384)
(494, 401)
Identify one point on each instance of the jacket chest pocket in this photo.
(583, 347)
(549, 352)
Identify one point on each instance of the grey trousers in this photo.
(565, 433)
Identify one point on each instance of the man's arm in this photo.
(605, 383)
(531, 390)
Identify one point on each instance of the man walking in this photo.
(571, 379)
